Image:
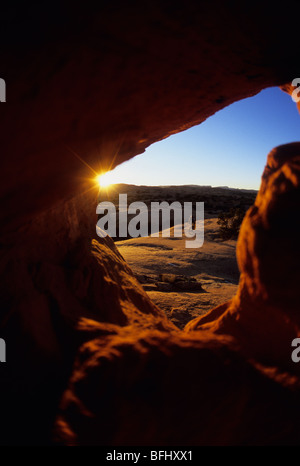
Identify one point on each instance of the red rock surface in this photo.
(175, 389)
(104, 84)
(228, 378)
(264, 315)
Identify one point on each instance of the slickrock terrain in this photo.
(91, 360)
(185, 283)
(233, 363)
(264, 313)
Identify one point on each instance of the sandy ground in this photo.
(178, 291)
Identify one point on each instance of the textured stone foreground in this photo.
(90, 359)
(228, 378)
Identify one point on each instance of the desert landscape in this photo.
(184, 283)
(106, 340)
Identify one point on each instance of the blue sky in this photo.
(228, 149)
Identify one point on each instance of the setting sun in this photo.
(105, 179)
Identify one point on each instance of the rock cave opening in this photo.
(186, 283)
(89, 358)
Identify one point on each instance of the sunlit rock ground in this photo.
(172, 274)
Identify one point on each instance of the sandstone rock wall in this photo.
(86, 90)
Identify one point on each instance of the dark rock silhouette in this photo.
(228, 378)
(264, 314)
(86, 90)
